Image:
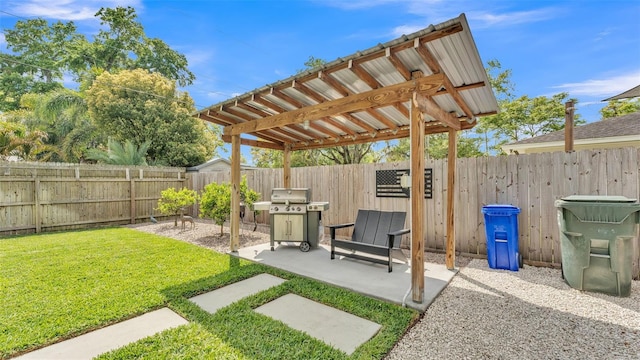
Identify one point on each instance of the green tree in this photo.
(141, 106)
(171, 201)
(120, 154)
(124, 45)
(215, 203)
(17, 140)
(527, 117)
(268, 158)
(436, 147)
(18, 78)
(43, 48)
(522, 117)
(41, 53)
(63, 114)
(351, 154)
(616, 108)
(248, 196)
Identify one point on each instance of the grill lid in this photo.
(290, 195)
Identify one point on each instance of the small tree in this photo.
(216, 203)
(248, 196)
(172, 201)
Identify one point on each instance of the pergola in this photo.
(431, 81)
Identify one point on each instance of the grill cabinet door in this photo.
(288, 227)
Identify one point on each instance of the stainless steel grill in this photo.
(294, 218)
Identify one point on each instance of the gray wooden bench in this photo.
(374, 232)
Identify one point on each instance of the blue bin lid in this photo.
(500, 208)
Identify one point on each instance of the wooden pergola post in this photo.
(451, 180)
(430, 107)
(286, 164)
(235, 193)
(417, 202)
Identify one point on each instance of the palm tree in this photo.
(121, 154)
(64, 115)
(16, 140)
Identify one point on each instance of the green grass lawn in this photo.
(57, 286)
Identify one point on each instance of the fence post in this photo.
(132, 193)
(36, 198)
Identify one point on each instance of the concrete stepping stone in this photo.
(226, 295)
(335, 327)
(100, 341)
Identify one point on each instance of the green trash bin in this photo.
(596, 241)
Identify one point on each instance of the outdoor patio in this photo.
(361, 276)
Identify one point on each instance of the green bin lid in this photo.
(599, 198)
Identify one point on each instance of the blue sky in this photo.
(590, 49)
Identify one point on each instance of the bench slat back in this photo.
(372, 226)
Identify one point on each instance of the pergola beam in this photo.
(427, 85)
(431, 108)
(255, 143)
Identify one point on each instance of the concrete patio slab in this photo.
(361, 276)
(100, 341)
(337, 328)
(214, 300)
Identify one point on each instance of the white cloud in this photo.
(70, 10)
(602, 87)
(603, 34)
(489, 19)
(198, 57)
(405, 30)
(3, 41)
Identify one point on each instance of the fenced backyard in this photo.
(61, 197)
(37, 197)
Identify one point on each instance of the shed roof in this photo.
(215, 162)
(365, 96)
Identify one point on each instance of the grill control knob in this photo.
(298, 208)
(287, 208)
(275, 208)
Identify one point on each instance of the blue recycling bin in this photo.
(501, 225)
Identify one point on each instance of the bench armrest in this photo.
(332, 228)
(399, 232)
(340, 226)
(392, 236)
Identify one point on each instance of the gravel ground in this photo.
(529, 314)
(489, 314)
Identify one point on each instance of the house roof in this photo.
(625, 125)
(366, 96)
(217, 161)
(631, 93)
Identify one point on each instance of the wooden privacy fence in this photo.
(37, 197)
(531, 182)
(41, 197)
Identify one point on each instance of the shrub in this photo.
(216, 201)
(172, 201)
